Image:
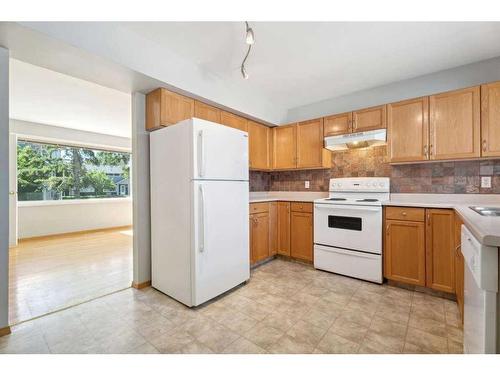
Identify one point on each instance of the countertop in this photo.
(485, 229)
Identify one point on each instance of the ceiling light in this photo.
(250, 38)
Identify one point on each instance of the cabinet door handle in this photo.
(484, 145)
(431, 152)
(426, 151)
(428, 219)
(387, 229)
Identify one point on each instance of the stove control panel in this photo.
(361, 184)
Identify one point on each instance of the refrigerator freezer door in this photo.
(221, 239)
(219, 152)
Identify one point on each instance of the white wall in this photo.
(4, 187)
(446, 80)
(54, 217)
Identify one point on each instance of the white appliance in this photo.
(356, 140)
(348, 227)
(480, 296)
(199, 210)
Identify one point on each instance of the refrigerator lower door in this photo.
(221, 239)
(219, 152)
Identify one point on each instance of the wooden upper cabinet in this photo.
(369, 119)
(337, 124)
(285, 147)
(310, 151)
(206, 112)
(164, 108)
(404, 251)
(440, 254)
(490, 119)
(233, 121)
(408, 130)
(284, 228)
(259, 138)
(301, 239)
(455, 124)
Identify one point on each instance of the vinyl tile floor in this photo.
(51, 273)
(286, 307)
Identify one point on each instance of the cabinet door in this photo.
(206, 112)
(459, 266)
(301, 238)
(440, 254)
(490, 119)
(369, 119)
(455, 124)
(310, 144)
(260, 236)
(408, 130)
(258, 139)
(175, 108)
(404, 251)
(284, 228)
(233, 121)
(285, 147)
(337, 124)
(273, 228)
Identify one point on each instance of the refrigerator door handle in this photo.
(201, 156)
(202, 220)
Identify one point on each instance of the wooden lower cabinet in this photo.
(283, 228)
(259, 237)
(420, 251)
(440, 254)
(405, 251)
(301, 235)
(459, 266)
(273, 228)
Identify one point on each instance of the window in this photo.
(57, 172)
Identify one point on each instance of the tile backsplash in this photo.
(431, 177)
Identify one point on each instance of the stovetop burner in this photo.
(367, 200)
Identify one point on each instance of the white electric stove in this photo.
(348, 227)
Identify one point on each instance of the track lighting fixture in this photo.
(250, 40)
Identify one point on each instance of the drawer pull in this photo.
(404, 213)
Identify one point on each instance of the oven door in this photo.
(349, 227)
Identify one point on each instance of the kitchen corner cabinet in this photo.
(405, 251)
(490, 119)
(233, 121)
(285, 147)
(301, 231)
(259, 139)
(164, 108)
(454, 122)
(408, 130)
(419, 247)
(459, 266)
(206, 112)
(440, 254)
(283, 228)
(369, 119)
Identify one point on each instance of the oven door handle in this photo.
(355, 208)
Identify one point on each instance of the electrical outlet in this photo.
(486, 181)
(306, 184)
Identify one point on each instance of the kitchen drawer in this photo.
(259, 207)
(301, 207)
(405, 213)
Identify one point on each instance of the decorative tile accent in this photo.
(454, 177)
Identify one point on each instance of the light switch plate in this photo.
(486, 181)
(306, 184)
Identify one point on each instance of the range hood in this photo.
(356, 140)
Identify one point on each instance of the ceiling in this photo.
(47, 97)
(298, 63)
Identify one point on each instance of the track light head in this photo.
(244, 72)
(250, 38)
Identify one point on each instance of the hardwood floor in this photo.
(50, 273)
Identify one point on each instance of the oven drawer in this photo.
(405, 213)
(301, 207)
(350, 263)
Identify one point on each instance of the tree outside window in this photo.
(56, 172)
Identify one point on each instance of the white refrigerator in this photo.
(199, 210)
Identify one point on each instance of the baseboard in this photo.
(142, 285)
(69, 234)
(5, 331)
